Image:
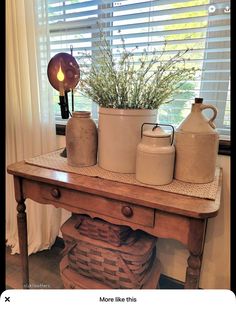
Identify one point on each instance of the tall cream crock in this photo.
(119, 135)
(196, 143)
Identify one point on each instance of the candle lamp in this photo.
(64, 74)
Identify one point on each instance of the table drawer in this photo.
(106, 206)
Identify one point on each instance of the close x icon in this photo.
(7, 299)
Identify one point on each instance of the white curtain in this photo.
(30, 125)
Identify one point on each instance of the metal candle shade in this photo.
(64, 64)
(64, 74)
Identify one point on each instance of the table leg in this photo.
(23, 242)
(195, 246)
(22, 231)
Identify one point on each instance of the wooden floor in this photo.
(45, 274)
(43, 268)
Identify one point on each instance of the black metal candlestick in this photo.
(63, 102)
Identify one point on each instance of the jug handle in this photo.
(156, 125)
(210, 121)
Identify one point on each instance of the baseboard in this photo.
(166, 282)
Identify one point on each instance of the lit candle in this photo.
(60, 77)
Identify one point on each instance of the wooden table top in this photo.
(168, 202)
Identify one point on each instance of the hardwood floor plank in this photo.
(43, 267)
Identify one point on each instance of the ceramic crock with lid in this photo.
(196, 143)
(155, 156)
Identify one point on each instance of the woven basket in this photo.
(101, 230)
(73, 280)
(127, 266)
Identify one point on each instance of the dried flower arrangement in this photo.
(126, 81)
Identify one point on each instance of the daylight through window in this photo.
(201, 25)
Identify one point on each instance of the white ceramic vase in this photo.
(119, 132)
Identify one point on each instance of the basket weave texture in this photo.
(125, 267)
(99, 229)
(73, 280)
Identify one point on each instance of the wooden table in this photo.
(162, 214)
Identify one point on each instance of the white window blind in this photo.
(201, 25)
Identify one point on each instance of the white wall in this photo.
(216, 259)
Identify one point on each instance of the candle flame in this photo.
(60, 75)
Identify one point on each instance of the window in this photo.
(201, 25)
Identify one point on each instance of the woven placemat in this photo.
(54, 161)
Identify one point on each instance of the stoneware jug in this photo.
(81, 140)
(196, 143)
(155, 156)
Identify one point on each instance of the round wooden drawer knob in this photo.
(127, 211)
(55, 193)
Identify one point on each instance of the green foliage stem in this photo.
(124, 81)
